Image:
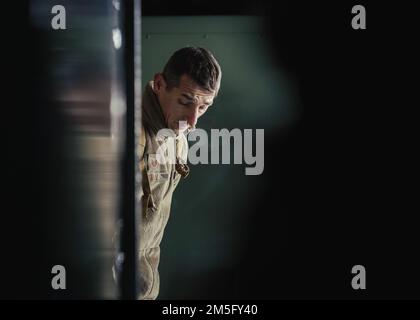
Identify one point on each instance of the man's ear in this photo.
(159, 83)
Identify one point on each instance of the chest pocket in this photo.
(159, 181)
(158, 176)
(155, 184)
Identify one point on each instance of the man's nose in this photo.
(192, 117)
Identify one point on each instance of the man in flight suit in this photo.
(174, 100)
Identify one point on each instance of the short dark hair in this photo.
(196, 62)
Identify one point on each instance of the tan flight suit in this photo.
(158, 184)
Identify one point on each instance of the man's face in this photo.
(187, 102)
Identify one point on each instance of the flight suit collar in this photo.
(152, 114)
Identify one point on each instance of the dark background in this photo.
(339, 186)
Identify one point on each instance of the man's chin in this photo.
(179, 131)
